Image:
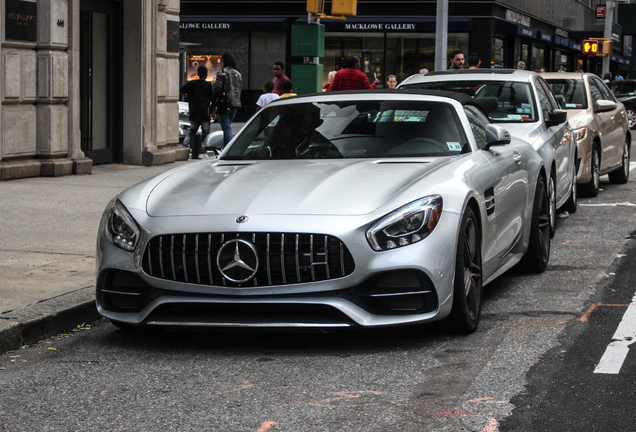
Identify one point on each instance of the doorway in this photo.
(100, 81)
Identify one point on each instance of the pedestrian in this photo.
(619, 77)
(423, 71)
(199, 93)
(330, 76)
(607, 77)
(521, 65)
(351, 77)
(473, 61)
(229, 80)
(288, 89)
(391, 82)
(279, 77)
(267, 96)
(457, 59)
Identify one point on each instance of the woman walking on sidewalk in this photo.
(228, 79)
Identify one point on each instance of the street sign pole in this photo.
(609, 18)
(441, 35)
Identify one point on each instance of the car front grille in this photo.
(283, 258)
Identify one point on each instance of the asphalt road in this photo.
(529, 367)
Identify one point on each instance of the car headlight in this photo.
(122, 229)
(579, 134)
(407, 225)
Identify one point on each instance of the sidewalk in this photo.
(48, 231)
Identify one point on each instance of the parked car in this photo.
(625, 92)
(343, 209)
(600, 126)
(521, 102)
(184, 121)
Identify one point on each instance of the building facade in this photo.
(97, 81)
(397, 37)
(88, 81)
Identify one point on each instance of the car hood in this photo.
(289, 187)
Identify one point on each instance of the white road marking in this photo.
(616, 351)
(623, 204)
(632, 165)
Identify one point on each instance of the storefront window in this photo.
(403, 54)
(538, 58)
(497, 54)
(525, 56)
(557, 59)
(368, 46)
(266, 48)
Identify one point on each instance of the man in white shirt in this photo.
(267, 95)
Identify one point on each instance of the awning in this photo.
(233, 24)
(393, 24)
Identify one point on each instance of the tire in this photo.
(631, 117)
(553, 209)
(538, 254)
(572, 204)
(125, 326)
(591, 189)
(467, 288)
(621, 175)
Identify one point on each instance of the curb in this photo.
(35, 322)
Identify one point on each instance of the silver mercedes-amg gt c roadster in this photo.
(343, 209)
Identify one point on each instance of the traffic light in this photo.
(590, 47)
(315, 6)
(344, 7)
(606, 48)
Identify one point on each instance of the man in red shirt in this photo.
(351, 77)
(279, 77)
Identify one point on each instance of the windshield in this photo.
(569, 93)
(350, 129)
(503, 101)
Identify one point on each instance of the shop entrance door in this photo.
(100, 84)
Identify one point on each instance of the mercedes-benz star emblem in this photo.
(241, 219)
(237, 260)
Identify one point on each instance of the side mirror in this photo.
(605, 105)
(496, 135)
(556, 117)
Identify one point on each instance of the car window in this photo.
(623, 89)
(351, 129)
(544, 100)
(569, 93)
(595, 91)
(546, 88)
(503, 101)
(478, 124)
(607, 94)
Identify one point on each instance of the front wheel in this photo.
(467, 288)
(536, 258)
(552, 208)
(621, 175)
(572, 204)
(591, 189)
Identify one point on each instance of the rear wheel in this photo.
(631, 117)
(467, 290)
(536, 258)
(591, 189)
(621, 175)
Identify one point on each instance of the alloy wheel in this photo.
(472, 269)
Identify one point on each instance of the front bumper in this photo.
(401, 286)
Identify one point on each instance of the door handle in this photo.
(517, 157)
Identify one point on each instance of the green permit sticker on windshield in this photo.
(454, 146)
